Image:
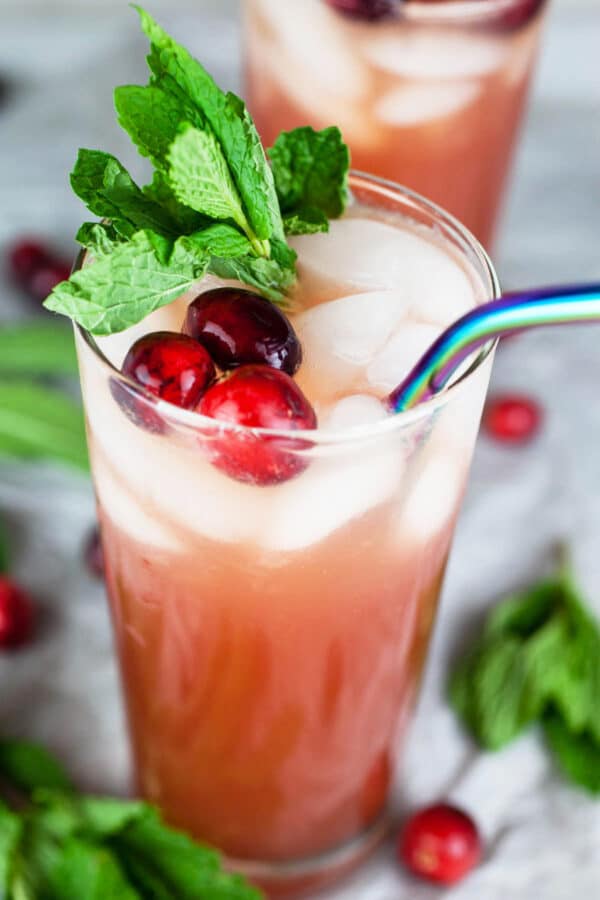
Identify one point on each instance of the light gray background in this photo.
(543, 837)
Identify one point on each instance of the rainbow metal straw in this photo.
(511, 313)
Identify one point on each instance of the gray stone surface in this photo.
(543, 836)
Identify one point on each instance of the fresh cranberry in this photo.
(258, 397)
(364, 9)
(512, 419)
(440, 843)
(27, 257)
(239, 327)
(94, 554)
(173, 367)
(16, 614)
(44, 279)
(516, 15)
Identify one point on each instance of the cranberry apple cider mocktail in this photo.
(429, 94)
(275, 538)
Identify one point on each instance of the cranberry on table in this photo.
(364, 9)
(440, 843)
(26, 257)
(16, 615)
(44, 279)
(512, 418)
(258, 397)
(173, 367)
(239, 327)
(94, 554)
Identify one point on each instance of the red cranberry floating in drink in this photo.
(25, 258)
(46, 278)
(16, 615)
(239, 327)
(364, 9)
(512, 419)
(440, 843)
(173, 367)
(258, 397)
(516, 15)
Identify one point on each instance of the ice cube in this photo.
(430, 54)
(433, 498)
(411, 104)
(129, 515)
(330, 494)
(354, 411)
(356, 252)
(306, 35)
(341, 337)
(400, 354)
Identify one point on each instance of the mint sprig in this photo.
(214, 204)
(57, 844)
(537, 660)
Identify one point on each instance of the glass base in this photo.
(298, 877)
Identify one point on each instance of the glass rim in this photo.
(458, 11)
(189, 419)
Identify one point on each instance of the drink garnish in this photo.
(538, 660)
(213, 205)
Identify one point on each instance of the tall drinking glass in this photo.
(431, 95)
(271, 639)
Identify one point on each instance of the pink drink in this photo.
(431, 97)
(272, 639)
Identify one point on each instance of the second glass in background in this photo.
(430, 95)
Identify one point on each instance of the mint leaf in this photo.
(122, 288)
(29, 766)
(311, 171)
(152, 119)
(106, 816)
(305, 221)
(229, 120)
(266, 275)
(218, 240)
(108, 191)
(11, 830)
(100, 238)
(577, 755)
(5, 554)
(161, 192)
(200, 178)
(172, 859)
(37, 348)
(88, 872)
(37, 422)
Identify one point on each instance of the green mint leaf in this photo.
(218, 240)
(108, 191)
(29, 767)
(5, 553)
(11, 830)
(311, 170)
(200, 178)
(229, 120)
(305, 221)
(39, 423)
(266, 275)
(106, 817)
(151, 117)
(161, 192)
(188, 870)
(37, 348)
(577, 755)
(88, 872)
(521, 614)
(100, 238)
(122, 288)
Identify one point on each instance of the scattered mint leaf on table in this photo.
(60, 845)
(577, 754)
(212, 204)
(37, 348)
(311, 171)
(39, 422)
(538, 659)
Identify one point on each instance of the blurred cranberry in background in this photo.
(94, 554)
(17, 615)
(512, 418)
(35, 268)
